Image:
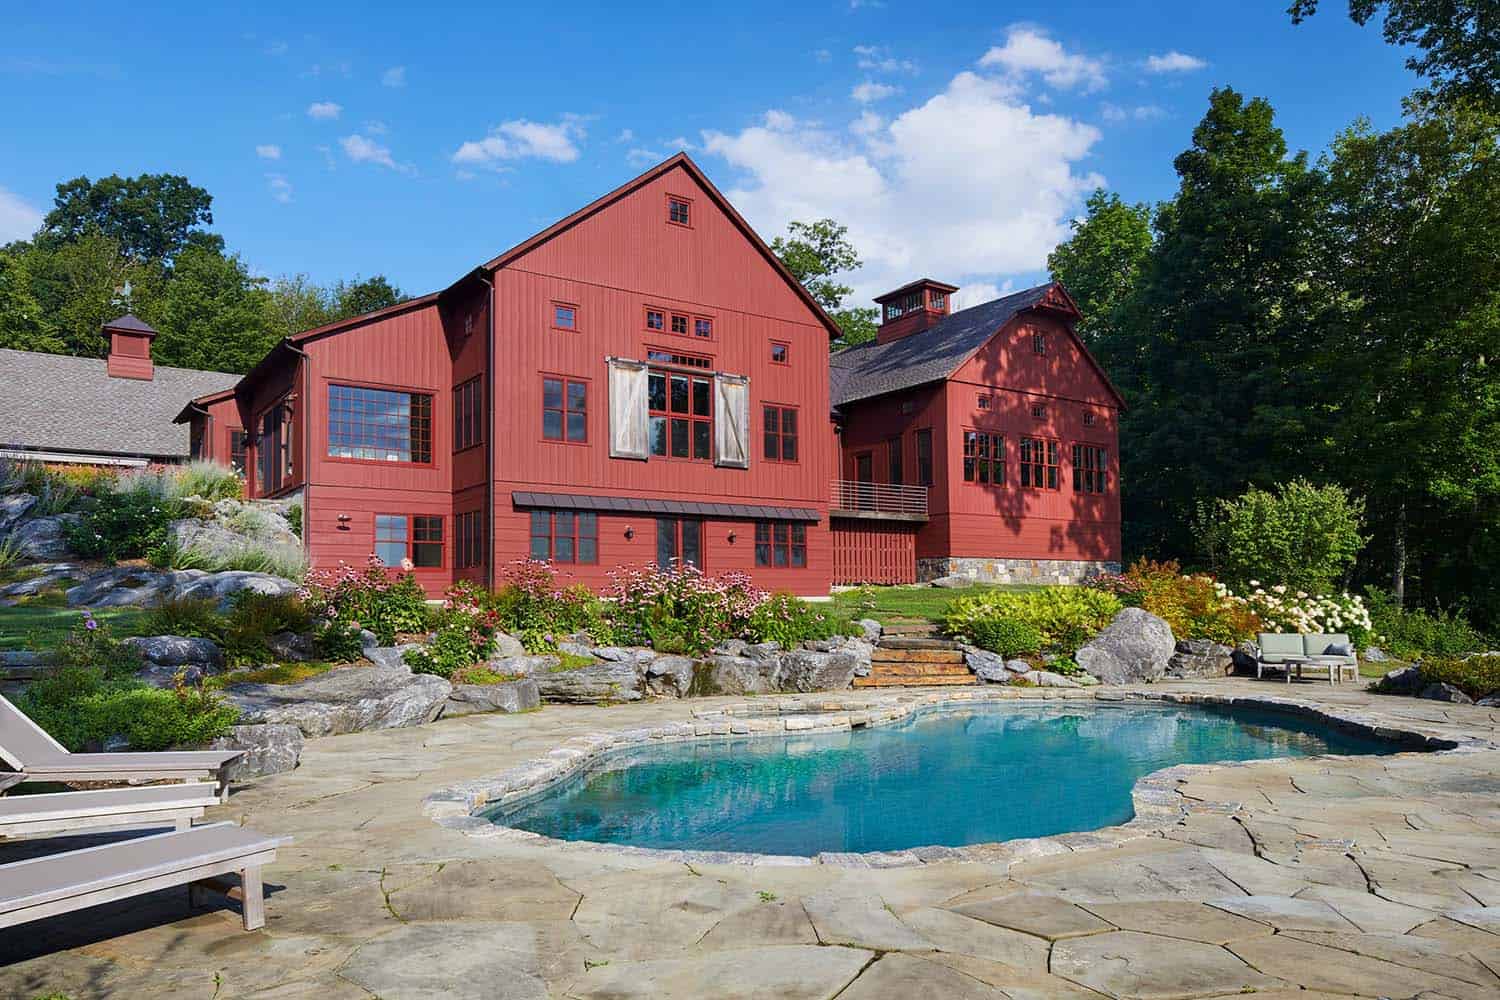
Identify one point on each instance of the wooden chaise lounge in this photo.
(27, 747)
(122, 808)
(61, 883)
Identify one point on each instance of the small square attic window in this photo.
(679, 211)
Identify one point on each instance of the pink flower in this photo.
(407, 565)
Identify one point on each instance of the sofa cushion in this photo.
(1317, 644)
(1277, 646)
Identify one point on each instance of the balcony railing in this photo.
(879, 500)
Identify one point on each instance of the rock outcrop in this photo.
(166, 657)
(507, 696)
(1133, 648)
(1201, 658)
(269, 749)
(345, 700)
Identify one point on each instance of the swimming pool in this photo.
(950, 778)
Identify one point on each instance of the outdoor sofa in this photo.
(1293, 653)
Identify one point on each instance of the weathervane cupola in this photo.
(130, 348)
(913, 308)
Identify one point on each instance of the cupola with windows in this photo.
(912, 308)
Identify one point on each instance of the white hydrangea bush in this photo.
(1282, 609)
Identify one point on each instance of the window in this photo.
(781, 544)
(564, 536)
(680, 414)
(1039, 343)
(1090, 469)
(679, 542)
(864, 467)
(984, 402)
(238, 441)
(195, 440)
(780, 353)
(682, 360)
(679, 325)
(939, 301)
(655, 320)
(781, 433)
(984, 458)
(273, 449)
(1038, 411)
(679, 211)
(1038, 464)
(379, 425)
(564, 316)
(924, 457)
(565, 405)
(1089, 418)
(909, 303)
(908, 407)
(468, 414)
(468, 533)
(417, 537)
(894, 471)
(703, 328)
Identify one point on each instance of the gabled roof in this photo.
(871, 369)
(58, 403)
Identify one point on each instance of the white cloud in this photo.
(1174, 62)
(979, 292)
(522, 139)
(949, 162)
(270, 151)
(626, 135)
(642, 157)
(362, 149)
(394, 77)
(375, 127)
(1029, 50)
(18, 219)
(1141, 112)
(281, 188)
(869, 92)
(878, 59)
(1149, 112)
(324, 110)
(868, 123)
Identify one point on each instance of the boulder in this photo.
(1244, 657)
(1135, 647)
(1489, 701)
(596, 684)
(44, 577)
(345, 700)
(507, 696)
(953, 582)
(577, 649)
(734, 675)
(670, 675)
(1047, 679)
(507, 645)
(270, 748)
(732, 647)
(42, 537)
(988, 667)
(389, 657)
(862, 650)
(230, 582)
(1401, 680)
(524, 666)
(13, 507)
(763, 650)
(1441, 691)
(871, 627)
(633, 655)
(1201, 658)
(806, 670)
(217, 540)
(166, 656)
(1375, 654)
(292, 647)
(122, 586)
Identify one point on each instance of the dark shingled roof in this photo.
(872, 369)
(130, 322)
(643, 505)
(51, 402)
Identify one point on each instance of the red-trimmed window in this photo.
(984, 458)
(468, 414)
(679, 211)
(381, 425)
(1089, 418)
(895, 471)
(1090, 469)
(781, 544)
(565, 410)
(273, 448)
(1038, 464)
(924, 457)
(780, 433)
(984, 402)
(468, 538)
(656, 320)
(238, 448)
(781, 354)
(418, 537)
(565, 536)
(664, 357)
(564, 316)
(680, 414)
(679, 542)
(679, 324)
(195, 439)
(1039, 411)
(1039, 343)
(703, 327)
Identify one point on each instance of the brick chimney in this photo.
(912, 308)
(130, 348)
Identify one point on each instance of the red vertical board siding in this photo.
(873, 552)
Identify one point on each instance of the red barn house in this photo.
(645, 382)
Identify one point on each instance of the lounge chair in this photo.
(9, 780)
(65, 812)
(27, 747)
(62, 883)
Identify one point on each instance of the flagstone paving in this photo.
(1307, 879)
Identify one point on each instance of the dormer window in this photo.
(679, 211)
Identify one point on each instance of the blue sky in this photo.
(955, 140)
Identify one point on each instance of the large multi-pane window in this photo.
(273, 449)
(781, 544)
(924, 457)
(468, 539)
(565, 536)
(780, 433)
(895, 472)
(381, 425)
(984, 458)
(1090, 469)
(679, 542)
(418, 537)
(1038, 464)
(680, 410)
(565, 407)
(238, 448)
(468, 414)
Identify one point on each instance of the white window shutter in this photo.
(732, 421)
(627, 409)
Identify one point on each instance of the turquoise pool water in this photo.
(951, 778)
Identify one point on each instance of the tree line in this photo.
(143, 245)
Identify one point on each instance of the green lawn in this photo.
(51, 624)
(909, 603)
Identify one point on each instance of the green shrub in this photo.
(197, 617)
(10, 553)
(369, 598)
(294, 519)
(83, 708)
(91, 643)
(789, 621)
(339, 642)
(1476, 676)
(249, 555)
(1301, 535)
(465, 634)
(254, 617)
(1066, 617)
(1006, 636)
(207, 480)
(121, 526)
(1410, 633)
(1197, 607)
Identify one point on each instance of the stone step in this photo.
(917, 680)
(908, 669)
(911, 629)
(917, 656)
(916, 643)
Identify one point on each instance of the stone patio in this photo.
(1366, 876)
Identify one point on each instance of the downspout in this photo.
(489, 433)
(306, 436)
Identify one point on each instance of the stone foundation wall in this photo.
(983, 570)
